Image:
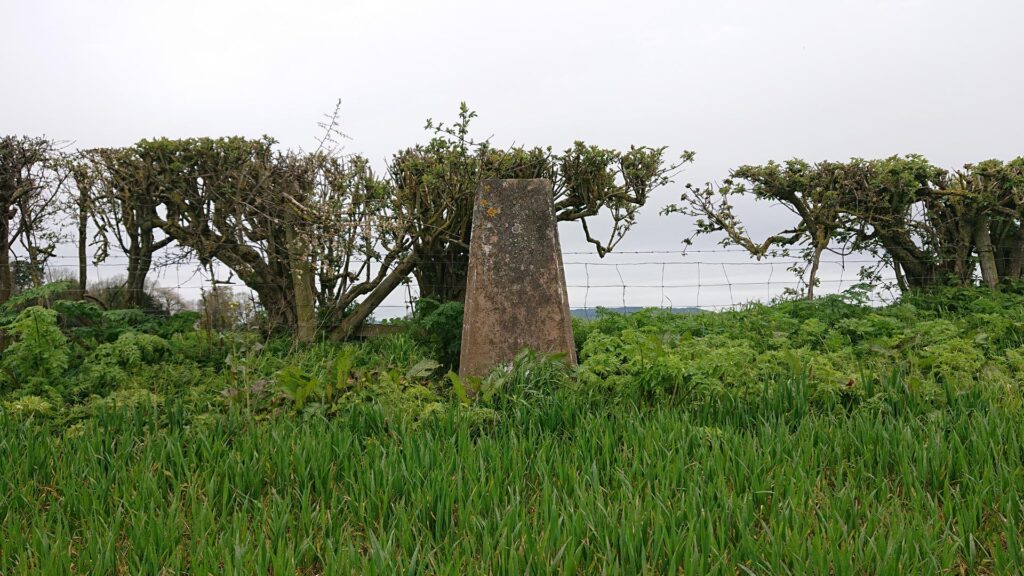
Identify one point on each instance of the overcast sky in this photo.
(736, 81)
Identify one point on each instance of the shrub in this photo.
(29, 407)
(954, 360)
(438, 327)
(110, 365)
(33, 297)
(131, 349)
(127, 399)
(180, 323)
(39, 355)
(201, 347)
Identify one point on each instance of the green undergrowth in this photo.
(824, 437)
(766, 489)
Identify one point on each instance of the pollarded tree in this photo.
(117, 189)
(78, 203)
(436, 185)
(812, 192)
(301, 230)
(993, 192)
(29, 184)
(1007, 226)
(897, 207)
(932, 226)
(360, 241)
(223, 200)
(352, 243)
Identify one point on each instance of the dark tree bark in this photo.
(1008, 247)
(27, 186)
(815, 263)
(348, 325)
(442, 277)
(986, 253)
(1014, 256)
(6, 281)
(302, 281)
(83, 239)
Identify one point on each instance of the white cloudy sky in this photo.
(738, 81)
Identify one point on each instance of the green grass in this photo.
(575, 490)
(801, 438)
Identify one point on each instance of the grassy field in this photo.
(825, 438)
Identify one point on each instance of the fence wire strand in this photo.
(668, 279)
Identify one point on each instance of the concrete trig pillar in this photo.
(515, 294)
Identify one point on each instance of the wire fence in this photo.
(711, 280)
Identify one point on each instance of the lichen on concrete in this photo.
(516, 294)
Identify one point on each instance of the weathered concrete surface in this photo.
(515, 295)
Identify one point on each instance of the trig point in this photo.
(515, 294)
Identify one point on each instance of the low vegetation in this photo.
(822, 436)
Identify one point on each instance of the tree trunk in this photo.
(83, 238)
(139, 261)
(986, 253)
(814, 271)
(302, 282)
(917, 271)
(1014, 263)
(442, 277)
(275, 292)
(901, 281)
(278, 304)
(362, 311)
(6, 287)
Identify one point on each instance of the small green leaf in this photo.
(460, 390)
(422, 369)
